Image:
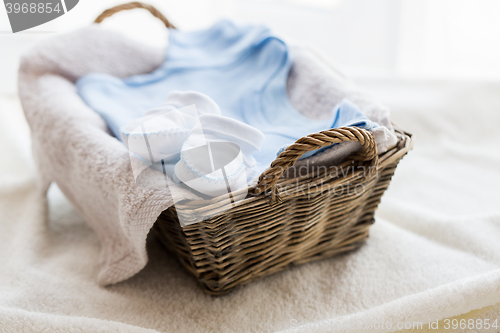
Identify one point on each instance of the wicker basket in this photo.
(283, 221)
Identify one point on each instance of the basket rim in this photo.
(402, 147)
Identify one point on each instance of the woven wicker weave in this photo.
(283, 220)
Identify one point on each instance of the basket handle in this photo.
(131, 5)
(269, 178)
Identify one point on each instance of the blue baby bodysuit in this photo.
(244, 69)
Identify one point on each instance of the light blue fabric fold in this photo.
(244, 69)
(347, 114)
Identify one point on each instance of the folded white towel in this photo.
(73, 148)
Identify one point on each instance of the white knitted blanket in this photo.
(433, 252)
(72, 147)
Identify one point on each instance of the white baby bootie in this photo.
(216, 158)
(160, 134)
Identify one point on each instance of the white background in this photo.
(440, 39)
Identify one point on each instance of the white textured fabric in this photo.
(71, 145)
(433, 251)
(316, 86)
(173, 137)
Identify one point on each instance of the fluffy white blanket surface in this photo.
(433, 253)
(72, 148)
